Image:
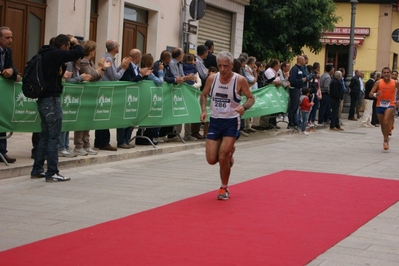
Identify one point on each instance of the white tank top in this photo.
(224, 98)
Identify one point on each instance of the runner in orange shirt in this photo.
(384, 90)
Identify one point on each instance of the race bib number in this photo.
(221, 105)
(385, 103)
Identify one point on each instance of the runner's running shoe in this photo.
(223, 194)
(386, 145)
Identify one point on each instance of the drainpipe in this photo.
(183, 35)
(191, 20)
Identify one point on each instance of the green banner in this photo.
(118, 104)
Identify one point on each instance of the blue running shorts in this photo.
(223, 127)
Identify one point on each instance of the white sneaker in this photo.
(252, 129)
(173, 139)
(65, 153)
(159, 140)
(80, 152)
(58, 178)
(244, 133)
(90, 151)
(305, 133)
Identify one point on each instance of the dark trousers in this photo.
(312, 115)
(324, 110)
(51, 121)
(354, 100)
(374, 117)
(3, 143)
(166, 131)
(195, 128)
(293, 106)
(123, 135)
(102, 138)
(334, 112)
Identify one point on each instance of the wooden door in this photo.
(129, 37)
(134, 36)
(26, 19)
(16, 20)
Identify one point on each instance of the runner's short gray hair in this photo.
(225, 55)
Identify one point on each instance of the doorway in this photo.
(135, 29)
(26, 19)
(337, 55)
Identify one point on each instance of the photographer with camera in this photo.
(164, 60)
(54, 57)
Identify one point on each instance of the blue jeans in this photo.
(64, 141)
(123, 135)
(324, 110)
(295, 93)
(51, 121)
(304, 116)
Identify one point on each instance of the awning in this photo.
(341, 36)
(341, 40)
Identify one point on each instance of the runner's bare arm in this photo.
(243, 88)
(204, 96)
(374, 90)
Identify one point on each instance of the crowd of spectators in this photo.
(314, 98)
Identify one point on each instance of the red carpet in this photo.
(287, 218)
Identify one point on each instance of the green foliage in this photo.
(281, 28)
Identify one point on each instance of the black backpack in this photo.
(33, 82)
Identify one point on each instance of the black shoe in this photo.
(9, 159)
(41, 175)
(109, 148)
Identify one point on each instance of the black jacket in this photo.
(130, 75)
(53, 60)
(210, 60)
(336, 89)
(369, 85)
(9, 63)
(355, 85)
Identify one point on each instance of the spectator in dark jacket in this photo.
(65, 49)
(210, 60)
(297, 80)
(336, 96)
(8, 71)
(354, 93)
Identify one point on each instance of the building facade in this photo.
(149, 25)
(375, 45)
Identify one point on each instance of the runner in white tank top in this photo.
(225, 89)
(224, 98)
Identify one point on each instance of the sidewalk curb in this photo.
(104, 157)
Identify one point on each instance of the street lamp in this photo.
(349, 73)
